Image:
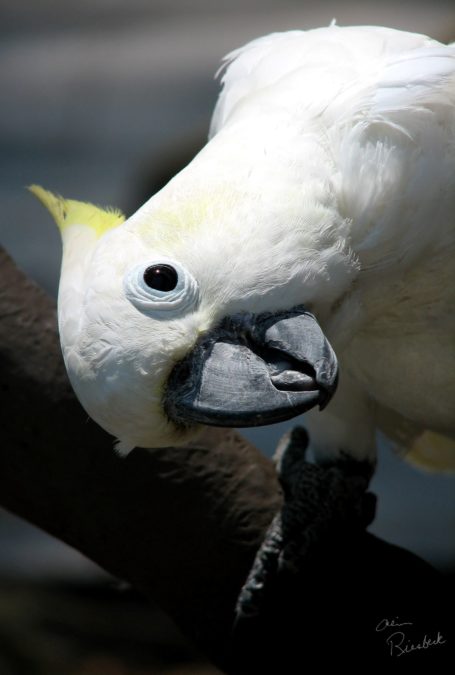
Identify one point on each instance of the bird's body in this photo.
(328, 183)
(379, 107)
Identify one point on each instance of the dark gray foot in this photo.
(320, 502)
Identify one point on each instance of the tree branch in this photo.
(183, 524)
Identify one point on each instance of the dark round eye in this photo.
(161, 277)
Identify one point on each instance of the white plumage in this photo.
(328, 181)
(381, 103)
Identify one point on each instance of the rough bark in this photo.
(183, 524)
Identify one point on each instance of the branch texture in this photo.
(183, 524)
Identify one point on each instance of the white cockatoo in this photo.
(318, 220)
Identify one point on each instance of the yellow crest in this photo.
(68, 212)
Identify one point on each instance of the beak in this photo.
(253, 370)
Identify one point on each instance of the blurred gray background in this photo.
(101, 99)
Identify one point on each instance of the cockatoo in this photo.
(313, 233)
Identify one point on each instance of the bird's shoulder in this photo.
(382, 104)
(330, 70)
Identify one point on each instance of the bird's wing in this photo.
(397, 160)
(326, 57)
(384, 103)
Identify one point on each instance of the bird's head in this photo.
(195, 310)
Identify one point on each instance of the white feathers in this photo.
(326, 61)
(381, 102)
(329, 181)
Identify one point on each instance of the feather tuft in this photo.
(68, 212)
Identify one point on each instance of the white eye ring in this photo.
(160, 304)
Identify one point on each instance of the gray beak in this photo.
(253, 370)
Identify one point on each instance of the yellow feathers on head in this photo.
(68, 212)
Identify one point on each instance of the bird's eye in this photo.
(161, 277)
(161, 288)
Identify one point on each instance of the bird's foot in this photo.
(322, 502)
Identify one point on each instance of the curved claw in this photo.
(321, 502)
